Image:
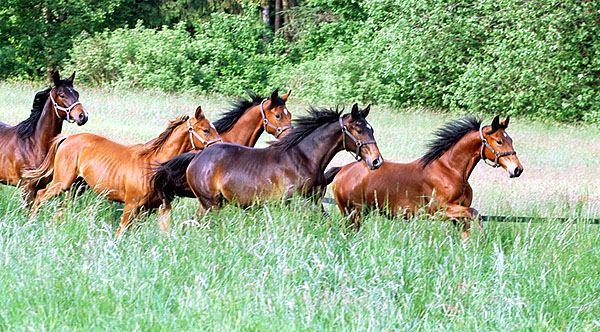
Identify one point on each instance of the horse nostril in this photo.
(518, 170)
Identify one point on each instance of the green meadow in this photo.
(282, 267)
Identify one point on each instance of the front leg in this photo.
(465, 215)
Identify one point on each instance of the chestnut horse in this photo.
(242, 125)
(439, 181)
(120, 172)
(25, 145)
(294, 164)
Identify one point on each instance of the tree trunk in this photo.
(49, 61)
(286, 18)
(277, 15)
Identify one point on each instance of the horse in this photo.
(242, 125)
(438, 181)
(120, 172)
(25, 145)
(292, 165)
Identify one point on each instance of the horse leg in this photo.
(464, 214)
(63, 179)
(28, 191)
(129, 212)
(164, 216)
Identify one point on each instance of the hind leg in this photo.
(63, 179)
(130, 210)
(465, 215)
(164, 216)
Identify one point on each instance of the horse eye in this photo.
(359, 130)
(278, 116)
(61, 95)
(499, 142)
(206, 131)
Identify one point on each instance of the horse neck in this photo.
(321, 145)
(177, 143)
(464, 155)
(247, 129)
(48, 126)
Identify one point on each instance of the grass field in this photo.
(279, 267)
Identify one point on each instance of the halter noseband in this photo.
(485, 144)
(204, 142)
(266, 123)
(67, 110)
(359, 143)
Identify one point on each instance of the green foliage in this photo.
(227, 55)
(534, 58)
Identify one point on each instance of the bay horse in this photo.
(292, 165)
(242, 125)
(117, 171)
(438, 181)
(25, 145)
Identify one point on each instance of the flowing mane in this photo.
(156, 143)
(305, 125)
(447, 135)
(26, 127)
(239, 107)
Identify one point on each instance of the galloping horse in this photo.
(120, 172)
(294, 164)
(242, 125)
(25, 145)
(437, 182)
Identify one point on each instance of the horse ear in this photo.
(355, 111)
(365, 111)
(199, 113)
(56, 78)
(285, 96)
(275, 94)
(505, 122)
(71, 79)
(496, 123)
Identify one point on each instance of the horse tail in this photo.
(46, 168)
(169, 179)
(331, 173)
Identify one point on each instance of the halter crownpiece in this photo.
(485, 144)
(67, 110)
(204, 142)
(266, 123)
(358, 142)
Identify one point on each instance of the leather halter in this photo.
(266, 123)
(67, 110)
(359, 143)
(485, 144)
(204, 142)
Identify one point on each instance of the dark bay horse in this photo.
(436, 182)
(120, 172)
(25, 145)
(242, 125)
(293, 165)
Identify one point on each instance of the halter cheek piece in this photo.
(67, 110)
(485, 144)
(359, 143)
(266, 123)
(204, 142)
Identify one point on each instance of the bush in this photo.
(532, 58)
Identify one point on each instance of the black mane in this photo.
(447, 135)
(26, 127)
(239, 107)
(305, 125)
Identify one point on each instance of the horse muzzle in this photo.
(515, 172)
(375, 164)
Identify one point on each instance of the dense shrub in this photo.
(227, 54)
(531, 58)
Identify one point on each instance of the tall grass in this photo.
(284, 267)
